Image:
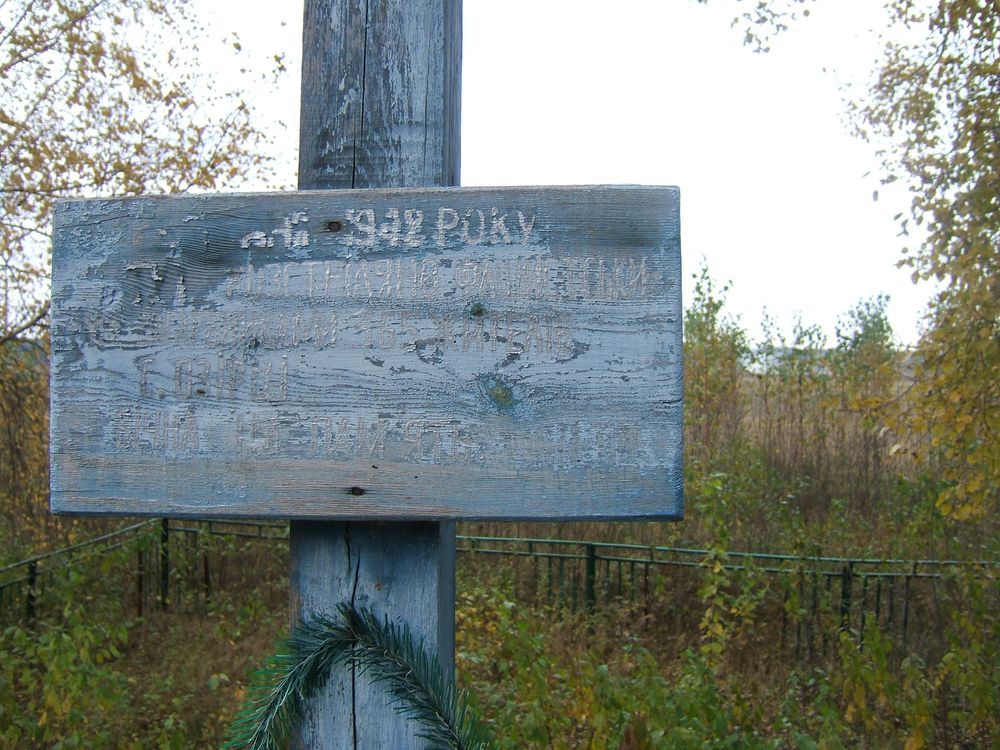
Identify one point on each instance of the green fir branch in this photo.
(385, 651)
(281, 689)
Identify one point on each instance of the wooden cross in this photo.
(381, 85)
(376, 356)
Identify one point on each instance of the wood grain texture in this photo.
(373, 565)
(212, 361)
(380, 108)
(444, 354)
(380, 94)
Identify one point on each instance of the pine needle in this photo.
(384, 651)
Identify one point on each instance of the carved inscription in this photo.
(533, 277)
(230, 378)
(406, 227)
(145, 430)
(365, 327)
(348, 437)
(277, 331)
(369, 230)
(485, 294)
(508, 332)
(257, 435)
(290, 233)
(419, 353)
(558, 448)
(216, 377)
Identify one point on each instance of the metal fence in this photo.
(153, 564)
(165, 563)
(813, 597)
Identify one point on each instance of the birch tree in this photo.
(101, 97)
(97, 97)
(935, 111)
(937, 104)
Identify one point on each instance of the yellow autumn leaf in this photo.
(915, 741)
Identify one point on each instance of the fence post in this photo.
(29, 603)
(562, 582)
(647, 598)
(589, 591)
(206, 577)
(864, 607)
(784, 612)
(800, 610)
(164, 563)
(878, 601)
(140, 582)
(890, 615)
(814, 621)
(824, 638)
(906, 602)
(847, 572)
(533, 567)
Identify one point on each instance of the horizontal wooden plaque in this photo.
(399, 354)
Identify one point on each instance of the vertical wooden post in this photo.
(380, 108)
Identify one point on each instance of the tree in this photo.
(937, 103)
(715, 354)
(765, 18)
(97, 97)
(865, 366)
(936, 107)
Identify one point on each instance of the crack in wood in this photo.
(354, 596)
(360, 134)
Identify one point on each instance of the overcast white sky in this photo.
(662, 92)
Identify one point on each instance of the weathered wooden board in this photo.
(381, 93)
(410, 353)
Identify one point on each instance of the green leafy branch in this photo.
(385, 651)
